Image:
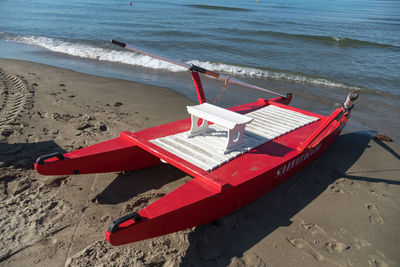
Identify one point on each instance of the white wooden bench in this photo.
(233, 122)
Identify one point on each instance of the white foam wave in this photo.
(105, 54)
(97, 53)
(274, 75)
(337, 39)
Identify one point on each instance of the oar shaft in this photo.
(196, 68)
(255, 87)
(150, 54)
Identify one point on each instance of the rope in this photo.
(222, 91)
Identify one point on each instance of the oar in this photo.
(195, 68)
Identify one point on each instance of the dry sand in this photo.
(342, 210)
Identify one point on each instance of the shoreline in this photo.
(342, 209)
(373, 112)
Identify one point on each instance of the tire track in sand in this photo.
(15, 96)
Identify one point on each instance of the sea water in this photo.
(317, 49)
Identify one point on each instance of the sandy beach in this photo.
(342, 210)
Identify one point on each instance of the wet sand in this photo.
(342, 210)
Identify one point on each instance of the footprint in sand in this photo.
(302, 244)
(313, 228)
(334, 246)
(378, 259)
(31, 217)
(377, 193)
(252, 259)
(359, 243)
(15, 96)
(374, 216)
(331, 245)
(318, 243)
(336, 189)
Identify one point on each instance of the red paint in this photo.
(321, 128)
(199, 87)
(118, 154)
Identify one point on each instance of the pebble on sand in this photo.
(383, 137)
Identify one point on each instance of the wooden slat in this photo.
(207, 150)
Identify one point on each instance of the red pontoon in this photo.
(234, 156)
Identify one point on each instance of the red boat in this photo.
(234, 155)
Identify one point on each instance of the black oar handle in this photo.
(118, 43)
(204, 71)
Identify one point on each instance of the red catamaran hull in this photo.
(224, 188)
(209, 195)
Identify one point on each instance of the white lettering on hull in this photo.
(295, 162)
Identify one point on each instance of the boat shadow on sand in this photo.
(128, 186)
(232, 236)
(24, 155)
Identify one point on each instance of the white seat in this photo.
(233, 122)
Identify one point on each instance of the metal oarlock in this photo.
(351, 97)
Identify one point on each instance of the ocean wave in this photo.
(324, 40)
(91, 51)
(225, 8)
(271, 74)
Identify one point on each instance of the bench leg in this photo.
(195, 129)
(235, 137)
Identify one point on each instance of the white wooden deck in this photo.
(205, 150)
